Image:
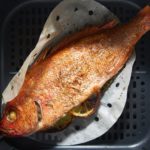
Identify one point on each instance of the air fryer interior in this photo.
(19, 35)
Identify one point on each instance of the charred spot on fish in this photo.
(117, 84)
(48, 36)
(11, 116)
(57, 18)
(38, 111)
(91, 12)
(76, 9)
(109, 105)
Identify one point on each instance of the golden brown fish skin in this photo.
(73, 73)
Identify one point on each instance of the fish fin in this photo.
(143, 17)
(87, 31)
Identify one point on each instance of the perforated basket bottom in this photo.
(20, 35)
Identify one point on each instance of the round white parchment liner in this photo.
(70, 16)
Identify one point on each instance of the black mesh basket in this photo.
(21, 23)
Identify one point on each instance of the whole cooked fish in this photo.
(80, 66)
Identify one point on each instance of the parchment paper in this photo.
(70, 16)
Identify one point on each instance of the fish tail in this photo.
(135, 28)
(144, 18)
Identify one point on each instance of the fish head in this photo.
(19, 117)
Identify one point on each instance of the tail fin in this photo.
(144, 18)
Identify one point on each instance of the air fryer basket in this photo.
(20, 32)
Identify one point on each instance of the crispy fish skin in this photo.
(79, 68)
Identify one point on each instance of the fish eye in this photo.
(11, 116)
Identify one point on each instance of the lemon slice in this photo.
(62, 123)
(87, 108)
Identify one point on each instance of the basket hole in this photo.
(115, 126)
(12, 29)
(17, 68)
(137, 77)
(133, 134)
(57, 18)
(142, 42)
(27, 31)
(109, 136)
(142, 63)
(12, 22)
(91, 12)
(122, 116)
(20, 61)
(20, 42)
(134, 105)
(20, 52)
(103, 137)
(12, 56)
(40, 20)
(27, 41)
(127, 115)
(134, 126)
(12, 43)
(33, 21)
(134, 95)
(142, 56)
(96, 119)
(115, 136)
(20, 31)
(39, 11)
(142, 83)
(109, 105)
(134, 116)
(128, 95)
(121, 136)
(142, 49)
(12, 63)
(20, 21)
(127, 105)
(117, 84)
(134, 84)
(76, 9)
(128, 126)
(137, 68)
(121, 126)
